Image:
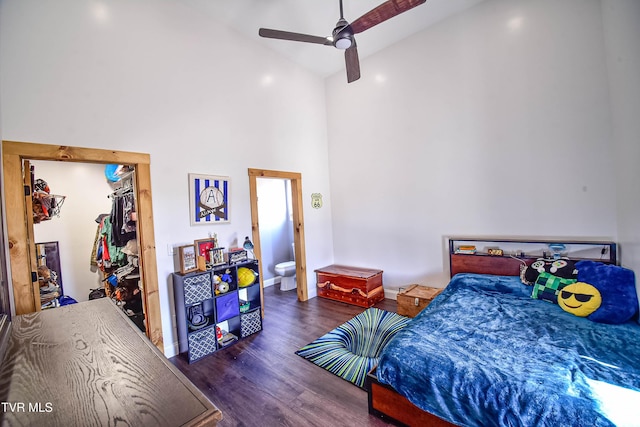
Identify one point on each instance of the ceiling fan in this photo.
(343, 34)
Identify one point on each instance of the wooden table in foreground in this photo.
(353, 285)
(86, 364)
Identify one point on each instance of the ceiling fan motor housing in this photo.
(342, 35)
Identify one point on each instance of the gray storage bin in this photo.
(202, 343)
(197, 288)
(250, 323)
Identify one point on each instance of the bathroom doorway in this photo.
(295, 180)
(275, 216)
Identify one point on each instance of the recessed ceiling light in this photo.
(100, 12)
(515, 23)
(381, 78)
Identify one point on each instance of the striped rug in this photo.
(352, 349)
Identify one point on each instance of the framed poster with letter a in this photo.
(208, 199)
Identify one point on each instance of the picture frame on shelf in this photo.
(204, 248)
(188, 259)
(208, 199)
(237, 256)
(217, 256)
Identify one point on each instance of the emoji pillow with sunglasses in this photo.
(580, 299)
(604, 293)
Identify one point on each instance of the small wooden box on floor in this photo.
(353, 285)
(413, 298)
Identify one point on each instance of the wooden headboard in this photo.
(528, 250)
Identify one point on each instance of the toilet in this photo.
(287, 270)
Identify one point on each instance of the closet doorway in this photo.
(298, 225)
(22, 251)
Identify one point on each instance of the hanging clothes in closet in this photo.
(123, 217)
(116, 252)
(117, 229)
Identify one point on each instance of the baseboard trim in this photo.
(391, 293)
(270, 282)
(171, 350)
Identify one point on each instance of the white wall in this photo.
(493, 122)
(621, 20)
(86, 190)
(153, 76)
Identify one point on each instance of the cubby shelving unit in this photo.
(215, 309)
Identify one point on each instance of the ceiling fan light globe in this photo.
(343, 43)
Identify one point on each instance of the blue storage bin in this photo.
(227, 306)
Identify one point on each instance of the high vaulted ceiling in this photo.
(319, 17)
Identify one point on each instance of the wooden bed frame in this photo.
(384, 401)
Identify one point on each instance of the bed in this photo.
(485, 352)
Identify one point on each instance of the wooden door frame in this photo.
(25, 292)
(298, 226)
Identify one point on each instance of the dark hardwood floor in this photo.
(260, 381)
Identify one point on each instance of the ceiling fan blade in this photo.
(295, 37)
(386, 10)
(352, 63)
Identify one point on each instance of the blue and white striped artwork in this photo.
(209, 199)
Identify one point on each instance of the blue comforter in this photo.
(485, 353)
